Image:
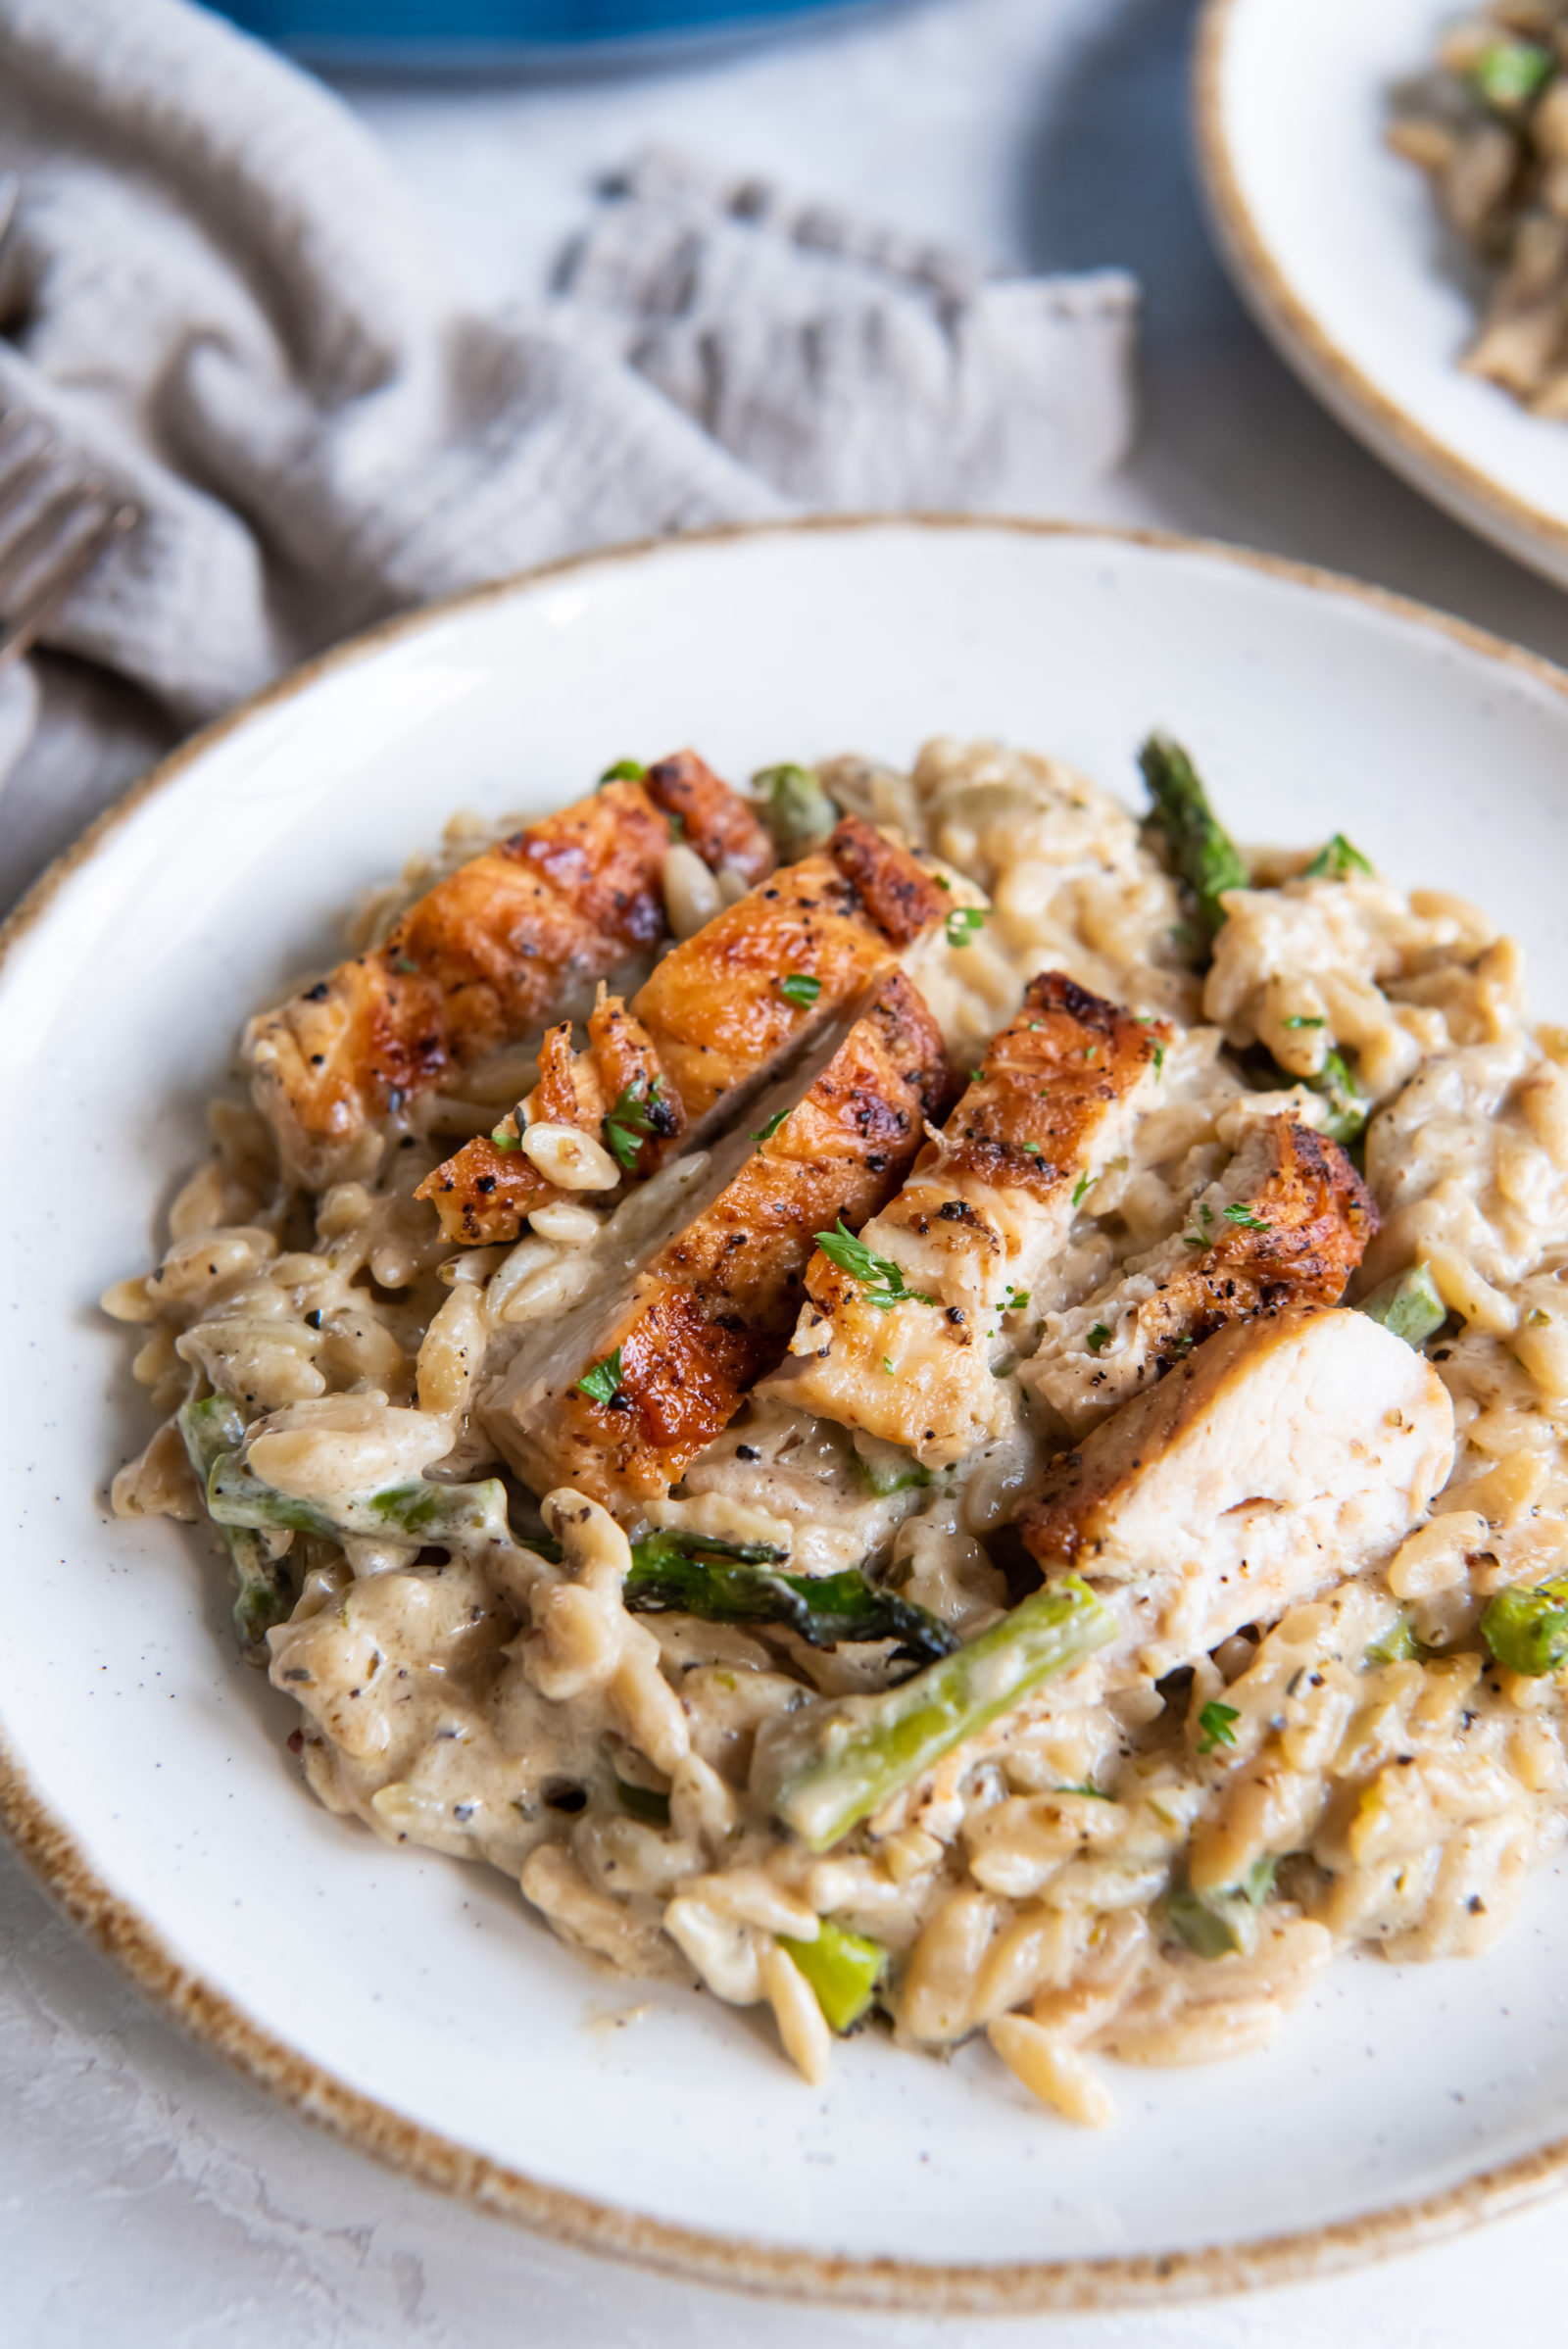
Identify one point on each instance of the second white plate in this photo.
(1336, 245)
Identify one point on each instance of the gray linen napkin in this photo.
(215, 289)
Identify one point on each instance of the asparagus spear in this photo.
(872, 1748)
(1349, 1109)
(1215, 1925)
(1527, 1629)
(209, 1428)
(449, 1516)
(1409, 1305)
(797, 811)
(739, 1581)
(1203, 852)
(843, 1969)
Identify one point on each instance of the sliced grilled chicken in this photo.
(1289, 1221)
(636, 1385)
(1286, 1453)
(723, 1012)
(903, 1347)
(485, 955)
(616, 1088)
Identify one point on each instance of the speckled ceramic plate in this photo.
(415, 2004)
(1335, 244)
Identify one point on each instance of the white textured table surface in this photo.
(147, 2198)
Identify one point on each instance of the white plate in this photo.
(1336, 245)
(415, 2003)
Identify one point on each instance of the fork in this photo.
(57, 515)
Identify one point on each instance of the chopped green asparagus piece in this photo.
(210, 1429)
(1202, 851)
(797, 811)
(870, 1748)
(1349, 1109)
(843, 1969)
(739, 1581)
(887, 1468)
(1507, 74)
(1216, 1925)
(1408, 1305)
(448, 1516)
(1399, 1645)
(1526, 1627)
(644, 1802)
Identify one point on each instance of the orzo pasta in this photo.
(913, 1399)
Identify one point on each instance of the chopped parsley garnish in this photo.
(963, 923)
(1017, 1300)
(1215, 1721)
(1085, 1789)
(881, 1281)
(1336, 861)
(630, 1122)
(1160, 1059)
(800, 986)
(1201, 1238)
(1300, 1020)
(624, 770)
(768, 1132)
(976, 1076)
(1084, 1184)
(1242, 1214)
(601, 1383)
(886, 1364)
(1097, 1337)
(403, 963)
(504, 1141)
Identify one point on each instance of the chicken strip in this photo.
(1288, 1452)
(615, 1089)
(718, 1016)
(638, 1383)
(1288, 1220)
(484, 956)
(899, 1336)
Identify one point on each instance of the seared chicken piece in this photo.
(484, 955)
(721, 1012)
(492, 1186)
(903, 1347)
(1286, 1453)
(1289, 1221)
(638, 1383)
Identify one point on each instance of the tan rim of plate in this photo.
(1017, 2287)
(1429, 465)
